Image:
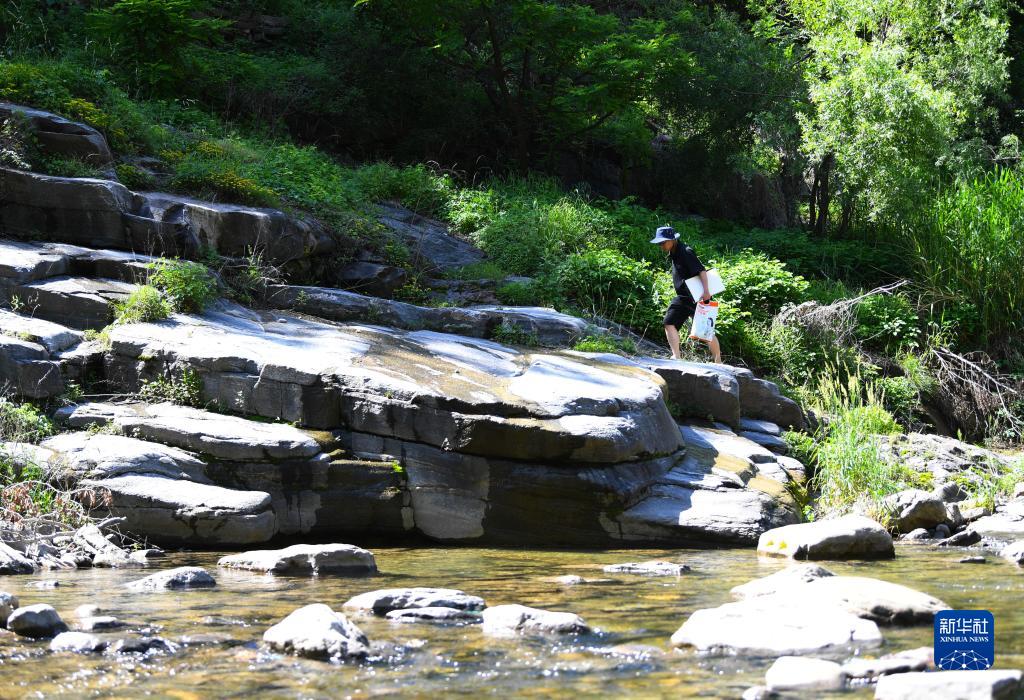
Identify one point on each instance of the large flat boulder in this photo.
(464, 395)
(183, 577)
(914, 508)
(83, 455)
(59, 136)
(385, 600)
(848, 537)
(22, 262)
(952, 685)
(519, 619)
(217, 435)
(305, 559)
(760, 625)
(51, 336)
(172, 511)
(77, 302)
(700, 390)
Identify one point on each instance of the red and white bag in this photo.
(704, 318)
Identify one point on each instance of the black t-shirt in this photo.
(685, 264)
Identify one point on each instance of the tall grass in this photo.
(970, 252)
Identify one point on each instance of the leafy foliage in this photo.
(188, 286)
(184, 388)
(143, 305)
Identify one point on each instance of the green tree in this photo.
(902, 96)
(550, 72)
(150, 37)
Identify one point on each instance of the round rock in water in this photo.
(143, 645)
(77, 642)
(800, 673)
(305, 558)
(317, 632)
(38, 621)
(512, 619)
(387, 599)
(182, 577)
(8, 604)
(648, 568)
(440, 615)
(99, 622)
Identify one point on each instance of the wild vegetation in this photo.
(879, 140)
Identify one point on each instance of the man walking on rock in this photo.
(685, 264)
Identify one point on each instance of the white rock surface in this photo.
(77, 642)
(513, 619)
(1014, 552)
(305, 559)
(950, 685)
(182, 577)
(385, 600)
(760, 625)
(799, 673)
(436, 614)
(648, 568)
(781, 581)
(317, 632)
(848, 537)
(919, 659)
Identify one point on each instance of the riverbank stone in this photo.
(914, 508)
(951, 685)
(39, 621)
(1014, 552)
(317, 632)
(182, 577)
(763, 625)
(8, 604)
(648, 568)
(781, 581)
(798, 673)
(436, 614)
(911, 660)
(848, 537)
(77, 642)
(385, 600)
(512, 619)
(311, 559)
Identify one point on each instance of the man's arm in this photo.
(706, 297)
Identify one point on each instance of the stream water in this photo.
(219, 630)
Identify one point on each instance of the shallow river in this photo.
(219, 629)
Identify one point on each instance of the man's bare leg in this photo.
(716, 349)
(672, 333)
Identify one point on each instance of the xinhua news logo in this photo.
(965, 640)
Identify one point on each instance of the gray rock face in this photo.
(513, 619)
(315, 631)
(77, 302)
(432, 247)
(177, 510)
(1007, 520)
(962, 685)
(51, 336)
(8, 604)
(99, 622)
(800, 673)
(77, 642)
(781, 581)
(762, 400)
(551, 327)
(648, 568)
(915, 508)
(182, 577)
(14, 562)
(217, 435)
(700, 390)
(1014, 552)
(143, 645)
(39, 621)
(917, 535)
(762, 625)
(26, 366)
(371, 278)
(438, 615)
(59, 136)
(305, 559)
(849, 537)
(944, 458)
(760, 426)
(384, 601)
(919, 659)
(771, 442)
(964, 538)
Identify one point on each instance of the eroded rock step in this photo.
(77, 302)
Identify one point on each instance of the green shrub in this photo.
(414, 187)
(607, 283)
(900, 398)
(484, 270)
(888, 322)
(759, 284)
(605, 343)
(61, 166)
(143, 305)
(23, 422)
(184, 389)
(134, 177)
(15, 144)
(188, 286)
(520, 294)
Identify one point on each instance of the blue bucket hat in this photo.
(664, 233)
